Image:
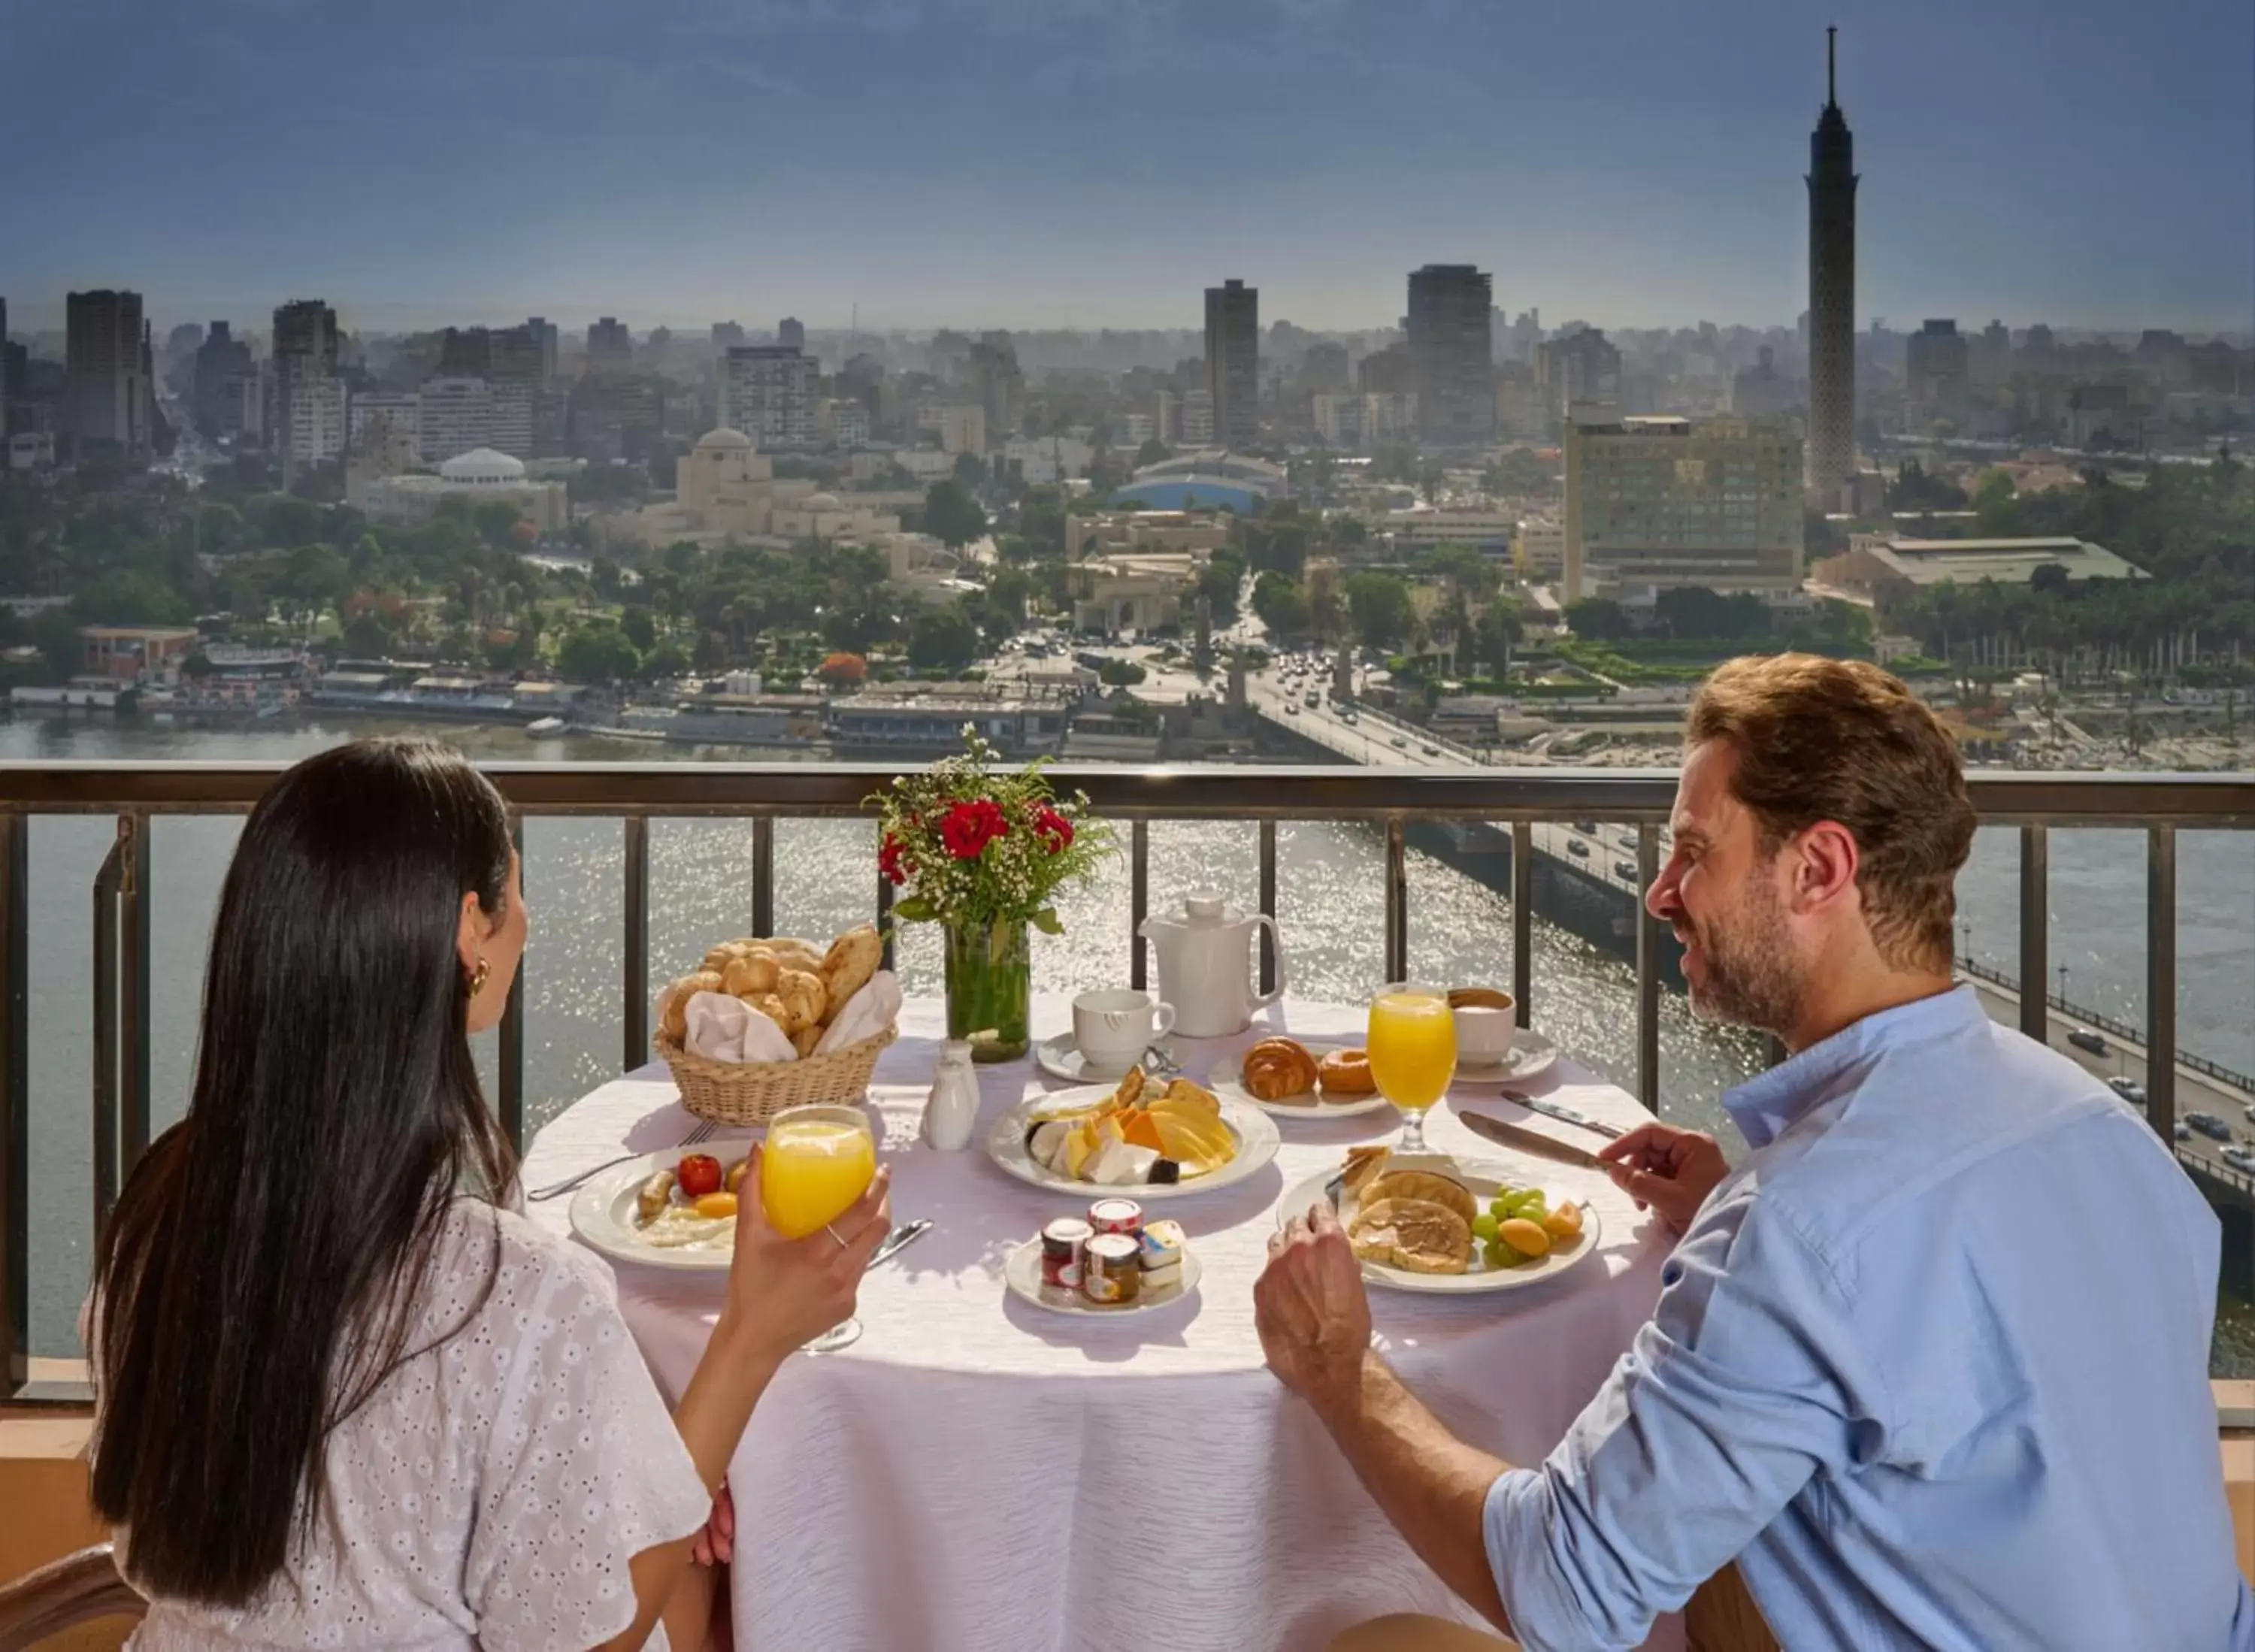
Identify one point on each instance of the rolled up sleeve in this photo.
(1746, 1384)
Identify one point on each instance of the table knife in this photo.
(899, 1238)
(1526, 1141)
(1564, 1115)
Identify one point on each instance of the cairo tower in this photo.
(1831, 451)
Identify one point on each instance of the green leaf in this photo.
(1048, 922)
(914, 909)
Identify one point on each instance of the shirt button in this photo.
(1670, 1271)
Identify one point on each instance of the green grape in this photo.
(1484, 1225)
(1527, 1200)
(1505, 1254)
(1498, 1207)
(1493, 1252)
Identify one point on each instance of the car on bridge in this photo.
(2083, 1038)
(2183, 1131)
(1578, 849)
(1625, 870)
(2208, 1125)
(2131, 1091)
(2239, 1158)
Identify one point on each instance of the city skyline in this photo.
(2015, 166)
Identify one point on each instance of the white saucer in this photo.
(1061, 1058)
(1531, 1054)
(1022, 1271)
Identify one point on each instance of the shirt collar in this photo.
(1764, 1105)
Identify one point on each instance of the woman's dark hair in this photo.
(260, 1277)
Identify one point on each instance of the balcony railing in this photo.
(637, 794)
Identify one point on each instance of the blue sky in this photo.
(1097, 162)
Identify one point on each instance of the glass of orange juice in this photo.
(1413, 1054)
(818, 1161)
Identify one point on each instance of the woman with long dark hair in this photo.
(347, 1397)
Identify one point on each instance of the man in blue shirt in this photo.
(1932, 1364)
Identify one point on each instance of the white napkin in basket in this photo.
(722, 1027)
(867, 1013)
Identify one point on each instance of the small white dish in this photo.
(1022, 1271)
(1531, 1055)
(1482, 1178)
(1061, 1058)
(1257, 1141)
(603, 1212)
(1228, 1082)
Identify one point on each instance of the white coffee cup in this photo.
(1485, 1026)
(1112, 1027)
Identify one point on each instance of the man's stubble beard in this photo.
(1751, 981)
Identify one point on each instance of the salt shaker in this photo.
(953, 1107)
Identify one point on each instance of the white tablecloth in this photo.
(947, 1481)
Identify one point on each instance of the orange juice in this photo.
(818, 1161)
(1413, 1047)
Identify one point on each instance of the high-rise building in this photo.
(610, 347)
(1233, 361)
(1449, 340)
(306, 332)
(1761, 391)
(767, 391)
(1325, 368)
(316, 432)
(1578, 368)
(728, 335)
(1197, 424)
(1656, 502)
(790, 333)
(225, 400)
(1831, 458)
(999, 383)
(454, 414)
(1936, 364)
(106, 394)
(544, 331)
(1387, 372)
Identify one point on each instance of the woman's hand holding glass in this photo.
(786, 1292)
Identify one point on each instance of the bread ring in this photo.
(722, 956)
(854, 957)
(1346, 1072)
(751, 974)
(803, 998)
(1277, 1067)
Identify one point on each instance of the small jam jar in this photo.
(1116, 1216)
(1061, 1246)
(1110, 1270)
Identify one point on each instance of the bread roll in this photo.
(854, 957)
(751, 974)
(1277, 1067)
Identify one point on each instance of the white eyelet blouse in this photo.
(492, 1490)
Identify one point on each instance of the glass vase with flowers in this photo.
(982, 853)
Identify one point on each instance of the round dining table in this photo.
(980, 1474)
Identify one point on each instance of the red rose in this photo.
(889, 859)
(1054, 830)
(970, 827)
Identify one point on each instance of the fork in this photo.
(556, 1190)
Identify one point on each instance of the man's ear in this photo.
(1825, 865)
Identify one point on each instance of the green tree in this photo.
(597, 653)
(1152, 452)
(1382, 609)
(661, 665)
(1220, 581)
(640, 627)
(365, 637)
(1499, 630)
(951, 516)
(943, 640)
(1599, 619)
(496, 524)
(1282, 605)
(1120, 673)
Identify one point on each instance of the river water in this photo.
(1330, 896)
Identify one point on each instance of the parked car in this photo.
(2208, 1125)
(1399, 743)
(2131, 1091)
(1430, 751)
(1624, 869)
(1578, 849)
(2083, 1038)
(2240, 1159)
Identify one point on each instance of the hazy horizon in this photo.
(1083, 164)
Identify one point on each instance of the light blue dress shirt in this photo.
(1931, 1365)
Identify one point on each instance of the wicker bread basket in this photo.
(752, 1093)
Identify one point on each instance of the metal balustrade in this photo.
(137, 795)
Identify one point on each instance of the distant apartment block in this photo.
(224, 399)
(1652, 503)
(1936, 369)
(767, 391)
(107, 399)
(1196, 426)
(1233, 363)
(454, 416)
(1582, 367)
(1449, 341)
(316, 429)
(610, 346)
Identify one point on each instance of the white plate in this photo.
(1061, 1058)
(1482, 1177)
(1228, 1083)
(1531, 1053)
(603, 1211)
(1257, 1141)
(1022, 1271)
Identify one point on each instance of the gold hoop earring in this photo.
(480, 976)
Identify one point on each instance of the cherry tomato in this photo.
(698, 1174)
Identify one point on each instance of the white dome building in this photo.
(481, 476)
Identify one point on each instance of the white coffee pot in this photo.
(1205, 965)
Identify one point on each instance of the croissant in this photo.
(1277, 1067)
